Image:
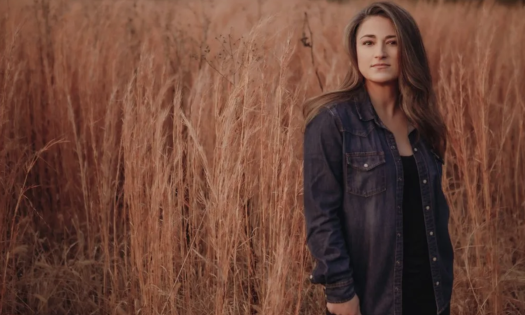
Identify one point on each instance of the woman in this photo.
(376, 217)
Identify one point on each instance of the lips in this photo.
(380, 65)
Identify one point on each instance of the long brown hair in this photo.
(416, 94)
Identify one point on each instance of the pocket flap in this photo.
(365, 161)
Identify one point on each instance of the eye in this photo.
(366, 43)
(393, 43)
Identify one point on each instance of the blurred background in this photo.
(151, 151)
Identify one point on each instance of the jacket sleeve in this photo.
(323, 200)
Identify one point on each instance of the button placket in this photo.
(398, 218)
(427, 203)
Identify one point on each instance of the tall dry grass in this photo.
(150, 153)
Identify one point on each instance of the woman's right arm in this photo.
(323, 201)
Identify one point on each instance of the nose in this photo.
(380, 52)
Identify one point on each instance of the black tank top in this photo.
(418, 289)
(414, 241)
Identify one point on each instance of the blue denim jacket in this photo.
(353, 190)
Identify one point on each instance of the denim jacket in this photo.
(353, 190)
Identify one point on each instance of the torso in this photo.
(372, 209)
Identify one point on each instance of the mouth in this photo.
(380, 65)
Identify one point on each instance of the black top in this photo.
(415, 246)
(418, 290)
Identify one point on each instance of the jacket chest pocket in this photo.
(366, 173)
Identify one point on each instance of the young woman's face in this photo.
(377, 50)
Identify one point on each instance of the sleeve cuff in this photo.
(339, 292)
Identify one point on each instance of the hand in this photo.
(347, 308)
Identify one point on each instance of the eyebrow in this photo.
(373, 36)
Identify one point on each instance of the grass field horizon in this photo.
(151, 152)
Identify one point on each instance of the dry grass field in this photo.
(151, 152)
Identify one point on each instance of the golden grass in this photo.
(150, 153)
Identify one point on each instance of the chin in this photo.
(382, 79)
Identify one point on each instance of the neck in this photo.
(383, 97)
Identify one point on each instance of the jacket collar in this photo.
(366, 112)
(364, 107)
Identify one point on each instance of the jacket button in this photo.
(428, 207)
(415, 149)
(398, 234)
(424, 181)
(434, 259)
(366, 165)
(431, 233)
(397, 262)
(437, 283)
(311, 277)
